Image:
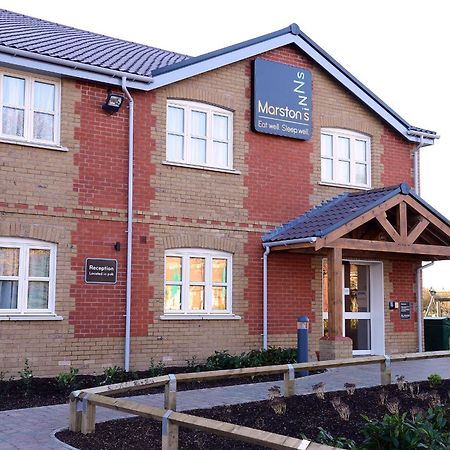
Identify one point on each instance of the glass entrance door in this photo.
(357, 306)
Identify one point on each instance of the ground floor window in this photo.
(27, 276)
(197, 281)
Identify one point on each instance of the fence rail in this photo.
(83, 403)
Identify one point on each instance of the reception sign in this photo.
(100, 271)
(282, 99)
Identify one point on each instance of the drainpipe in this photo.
(419, 303)
(267, 246)
(422, 135)
(129, 223)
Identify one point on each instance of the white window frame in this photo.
(188, 107)
(29, 109)
(209, 255)
(335, 133)
(25, 245)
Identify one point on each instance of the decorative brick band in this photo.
(40, 232)
(200, 240)
(346, 122)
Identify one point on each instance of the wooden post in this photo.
(170, 393)
(289, 382)
(74, 415)
(169, 439)
(385, 371)
(335, 301)
(88, 416)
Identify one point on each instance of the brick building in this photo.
(236, 215)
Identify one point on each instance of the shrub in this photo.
(155, 370)
(66, 380)
(324, 437)
(222, 360)
(429, 430)
(26, 375)
(113, 375)
(434, 380)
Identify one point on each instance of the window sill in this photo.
(14, 317)
(194, 166)
(34, 144)
(199, 317)
(342, 185)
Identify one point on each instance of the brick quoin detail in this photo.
(397, 153)
(403, 279)
(289, 291)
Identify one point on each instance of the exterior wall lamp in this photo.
(113, 102)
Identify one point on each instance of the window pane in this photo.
(220, 128)
(360, 173)
(360, 150)
(13, 91)
(343, 147)
(198, 151)
(196, 297)
(198, 124)
(219, 300)
(13, 121)
(175, 120)
(38, 295)
(327, 145)
(9, 262)
(39, 263)
(173, 268)
(43, 126)
(197, 269)
(44, 96)
(343, 175)
(8, 294)
(359, 331)
(175, 148)
(219, 270)
(220, 156)
(172, 298)
(327, 169)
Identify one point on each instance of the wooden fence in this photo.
(83, 403)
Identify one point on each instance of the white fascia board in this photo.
(22, 63)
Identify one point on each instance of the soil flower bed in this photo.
(340, 413)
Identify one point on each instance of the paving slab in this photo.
(33, 428)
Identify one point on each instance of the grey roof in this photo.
(333, 213)
(59, 41)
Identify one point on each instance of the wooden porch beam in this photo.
(335, 297)
(417, 230)
(391, 247)
(403, 226)
(382, 219)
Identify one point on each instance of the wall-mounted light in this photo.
(117, 246)
(113, 102)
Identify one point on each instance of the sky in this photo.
(397, 48)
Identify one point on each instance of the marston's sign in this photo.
(282, 99)
(100, 271)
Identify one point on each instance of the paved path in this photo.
(33, 428)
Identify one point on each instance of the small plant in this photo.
(192, 364)
(414, 388)
(319, 390)
(402, 384)
(113, 374)
(344, 411)
(26, 375)
(434, 399)
(325, 437)
(350, 388)
(393, 406)
(383, 397)
(66, 380)
(434, 380)
(336, 401)
(415, 411)
(274, 392)
(156, 370)
(276, 401)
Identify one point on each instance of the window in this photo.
(345, 158)
(199, 134)
(27, 277)
(29, 109)
(197, 281)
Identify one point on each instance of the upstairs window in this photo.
(197, 281)
(345, 158)
(29, 109)
(27, 277)
(199, 134)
